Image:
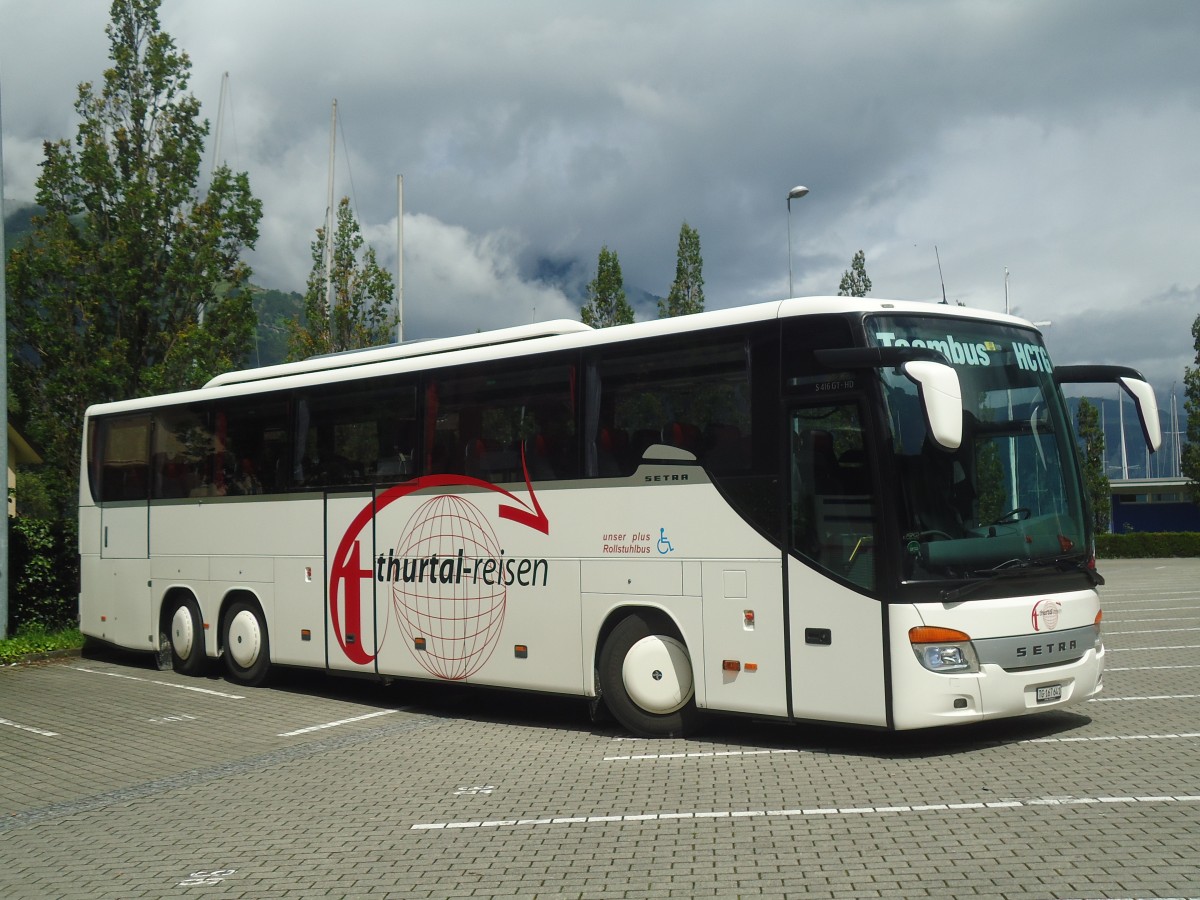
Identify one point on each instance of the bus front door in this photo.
(835, 621)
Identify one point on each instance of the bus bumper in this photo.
(924, 699)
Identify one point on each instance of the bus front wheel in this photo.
(646, 678)
(247, 648)
(186, 637)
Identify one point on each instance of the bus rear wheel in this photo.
(646, 678)
(186, 637)
(247, 648)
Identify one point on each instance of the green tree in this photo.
(687, 290)
(606, 292)
(855, 282)
(1095, 481)
(129, 283)
(1190, 454)
(363, 295)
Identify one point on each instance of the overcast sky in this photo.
(1058, 140)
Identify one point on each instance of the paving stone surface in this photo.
(117, 780)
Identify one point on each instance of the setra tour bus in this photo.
(821, 509)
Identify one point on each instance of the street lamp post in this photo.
(794, 194)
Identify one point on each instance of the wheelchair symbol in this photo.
(664, 544)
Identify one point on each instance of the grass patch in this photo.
(34, 639)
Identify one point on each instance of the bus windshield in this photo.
(1008, 496)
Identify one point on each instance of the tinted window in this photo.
(120, 458)
(251, 437)
(481, 424)
(183, 453)
(832, 498)
(695, 397)
(355, 434)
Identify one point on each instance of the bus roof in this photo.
(559, 334)
(348, 358)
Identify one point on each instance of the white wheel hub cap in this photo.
(245, 638)
(183, 635)
(658, 674)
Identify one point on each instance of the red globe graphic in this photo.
(445, 603)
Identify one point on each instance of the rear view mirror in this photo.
(1132, 382)
(1147, 409)
(941, 399)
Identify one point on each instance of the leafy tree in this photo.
(276, 311)
(687, 290)
(129, 283)
(989, 477)
(855, 282)
(363, 296)
(1190, 454)
(607, 304)
(1096, 482)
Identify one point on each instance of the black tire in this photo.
(247, 648)
(646, 678)
(185, 636)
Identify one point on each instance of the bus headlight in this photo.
(944, 650)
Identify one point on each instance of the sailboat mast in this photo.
(329, 221)
(399, 259)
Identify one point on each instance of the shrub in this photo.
(1148, 545)
(33, 641)
(43, 574)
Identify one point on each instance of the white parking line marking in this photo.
(182, 687)
(43, 732)
(1129, 649)
(311, 728)
(1148, 668)
(1157, 619)
(805, 813)
(700, 754)
(1152, 631)
(1191, 735)
(1153, 597)
(1154, 697)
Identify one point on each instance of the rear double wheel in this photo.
(181, 642)
(247, 648)
(646, 677)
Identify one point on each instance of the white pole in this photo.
(3, 404)
(399, 259)
(1175, 431)
(329, 220)
(794, 194)
(1121, 410)
(216, 161)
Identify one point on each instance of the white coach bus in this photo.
(820, 509)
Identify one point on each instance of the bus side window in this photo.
(488, 423)
(183, 453)
(354, 433)
(832, 499)
(694, 397)
(124, 463)
(254, 457)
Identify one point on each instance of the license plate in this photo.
(1049, 692)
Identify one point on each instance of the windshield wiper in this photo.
(1023, 568)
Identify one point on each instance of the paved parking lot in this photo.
(117, 780)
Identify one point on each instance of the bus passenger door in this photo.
(124, 615)
(350, 581)
(835, 621)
